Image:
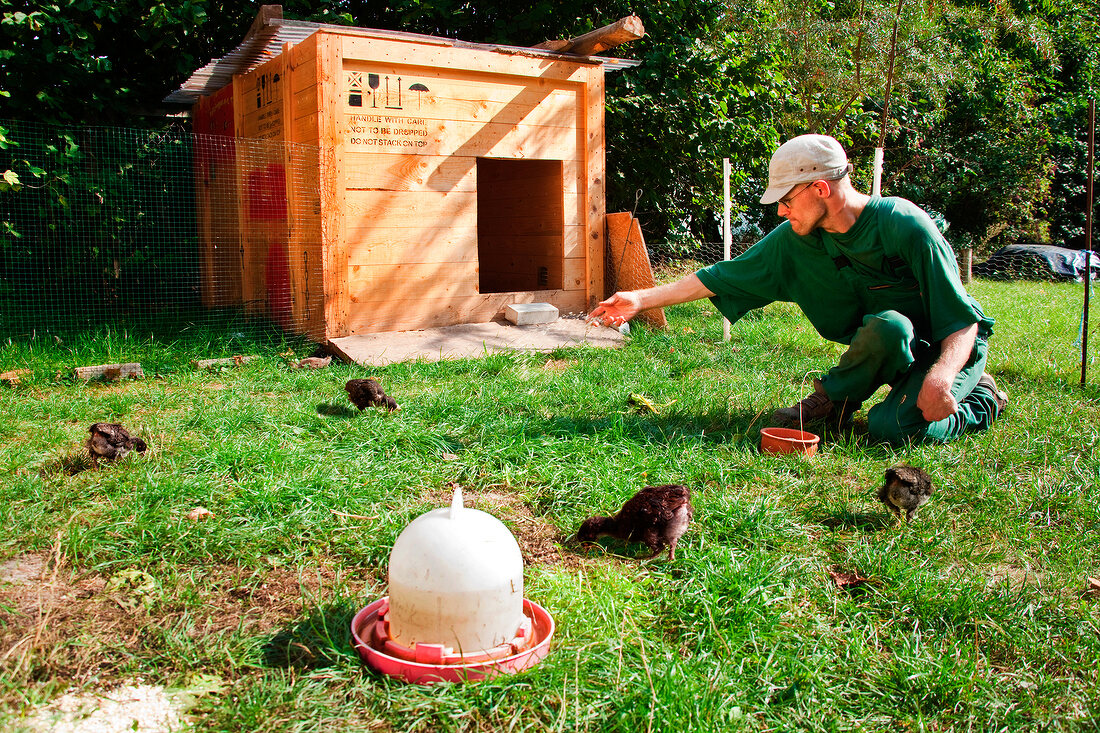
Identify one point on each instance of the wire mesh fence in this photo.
(156, 231)
(165, 231)
(1038, 262)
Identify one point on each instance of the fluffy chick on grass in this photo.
(657, 516)
(905, 489)
(365, 393)
(110, 440)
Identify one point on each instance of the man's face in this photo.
(803, 207)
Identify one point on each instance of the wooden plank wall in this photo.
(217, 205)
(303, 164)
(415, 119)
(280, 179)
(596, 187)
(262, 179)
(334, 228)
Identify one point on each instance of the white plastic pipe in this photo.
(726, 235)
(876, 187)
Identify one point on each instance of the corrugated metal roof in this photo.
(267, 41)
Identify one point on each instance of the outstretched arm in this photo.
(935, 400)
(622, 306)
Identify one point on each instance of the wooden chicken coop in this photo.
(422, 182)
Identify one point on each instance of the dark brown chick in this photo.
(365, 393)
(110, 440)
(656, 515)
(905, 489)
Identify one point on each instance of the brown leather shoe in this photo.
(815, 408)
(998, 394)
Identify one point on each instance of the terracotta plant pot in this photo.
(788, 440)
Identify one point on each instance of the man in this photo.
(873, 273)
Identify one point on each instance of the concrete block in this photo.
(525, 314)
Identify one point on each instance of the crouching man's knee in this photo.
(885, 332)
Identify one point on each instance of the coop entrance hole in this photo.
(520, 225)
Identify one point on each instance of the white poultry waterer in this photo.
(456, 610)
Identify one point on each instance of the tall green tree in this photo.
(960, 94)
(984, 115)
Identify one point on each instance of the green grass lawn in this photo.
(973, 617)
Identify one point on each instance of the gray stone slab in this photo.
(472, 340)
(528, 314)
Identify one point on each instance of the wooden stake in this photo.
(1088, 241)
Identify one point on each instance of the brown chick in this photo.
(390, 403)
(656, 515)
(314, 362)
(365, 393)
(906, 488)
(110, 440)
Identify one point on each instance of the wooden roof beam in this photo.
(621, 31)
(267, 13)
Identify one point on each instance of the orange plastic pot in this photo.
(788, 440)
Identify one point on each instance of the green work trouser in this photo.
(885, 350)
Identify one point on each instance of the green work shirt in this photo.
(893, 258)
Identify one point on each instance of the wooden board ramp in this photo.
(471, 341)
(628, 266)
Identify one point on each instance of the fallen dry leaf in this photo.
(199, 512)
(846, 579)
(450, 457)
(1092, 589)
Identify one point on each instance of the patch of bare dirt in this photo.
(556, 366)
(258, 601)
(58, 623)
(43, 614)
(22, 570)
(145, 708)
(1013, 576)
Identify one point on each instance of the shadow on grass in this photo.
(861, 521)
(322, 639)
(70, 464)
(330, 410)
(720, 427)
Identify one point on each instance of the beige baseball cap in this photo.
(804, 159)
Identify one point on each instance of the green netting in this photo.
(152, 230)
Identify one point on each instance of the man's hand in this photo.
(624, 305)
(618, 309)
(935, 400)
